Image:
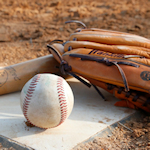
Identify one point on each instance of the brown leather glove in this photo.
(110, 57)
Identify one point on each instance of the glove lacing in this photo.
(108, 63)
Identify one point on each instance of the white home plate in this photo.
(90, 115)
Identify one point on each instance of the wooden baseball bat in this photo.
(14, 77)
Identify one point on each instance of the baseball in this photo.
(46, 100)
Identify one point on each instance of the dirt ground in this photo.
(26, 27)
(133, 135)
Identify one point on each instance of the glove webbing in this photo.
(108, 63)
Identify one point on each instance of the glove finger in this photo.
(110, 32)
(125, 103)
(57, 51)
(110, 39)
(117, 49)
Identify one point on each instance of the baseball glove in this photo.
(115, 61)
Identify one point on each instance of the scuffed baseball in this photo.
(46, 100)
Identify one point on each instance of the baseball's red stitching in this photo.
(61, 96)
(62, 100)
(29, 95)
